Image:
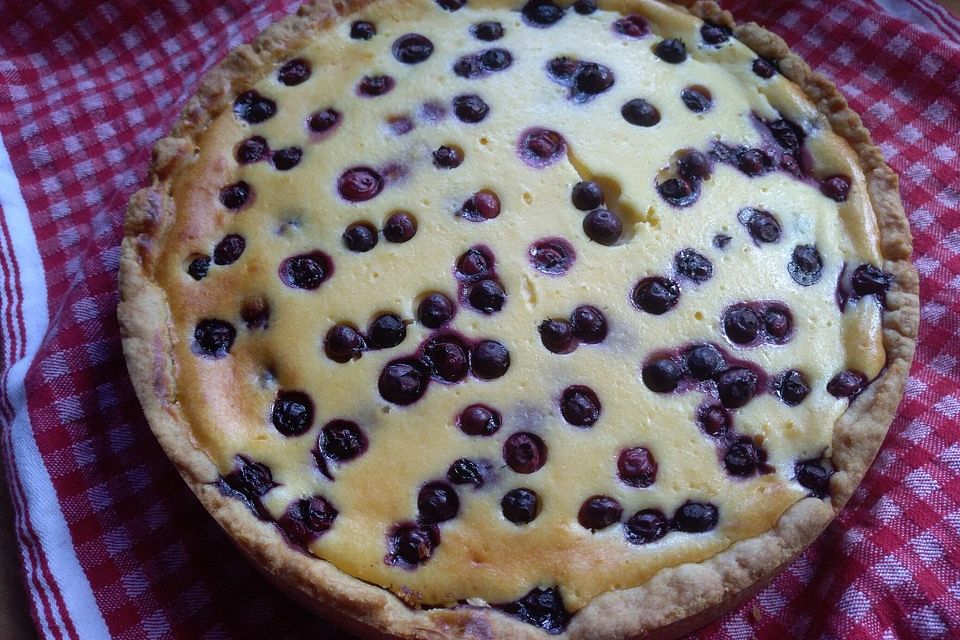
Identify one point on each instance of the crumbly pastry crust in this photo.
(676, 600)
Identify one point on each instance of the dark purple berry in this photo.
(806, 265)
(520, 506)
(561, 69)
(697, 99)
(753, 162)
(437, 502)
(637, 467)
(294, 72)
(693, 165)
(198, 267)
(541, 147)
(764, 68)
(714, 33)
(324, 121)
(743, 457)
(412, 48)
(847, 384)
(714, 420)
(787, 134)
(478, 420)
(720, 241)
(402, 382)
(411, 546)
(386, 331)
(585, 7)
(487, 296)
(741, 324)
(703, 361)
(580, 406)
(229, 250)
(542, 13)
(306, 271)
(603, 226)
(761, 225)
(451, 5)
(792, 387)
(343, 343)
(672, 51)
(399, 227)
(586, 195)
(632, 26)
(837, 188)
(696, 517)
(362, 30)
(341, 440)
(447, 157)
(487, 31)
(553, 256)
(359, 184)
(525, 452)
(286, 159)
(656, 295)
(235, 195)
(811, 475)
(466, 471)
(677, 191)
(489, 360)
(777, 323)
(483, 205)
(255, 313)
(661, 375)
(249, 151)
(869, 280)
(470, 108)
(435, 310)
(473, 264)
(373, 86)
(592, 78)
(292, 413)
(254, 108)
(307, 519)
(599, 512)
(360, 237)
(639, 112)
(496, 59)
(557, 336)
(447, 359)
(589, 324)
(736, 387)
(646, 526)
(213, 338)
(693, 265)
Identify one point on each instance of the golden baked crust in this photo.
(673, 601)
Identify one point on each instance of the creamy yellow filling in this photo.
(481, 554)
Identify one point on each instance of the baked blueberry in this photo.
(399, 227)
(703, 361)
(487, 296)
(199, 267)
(255, 312)
(447, 358)
(811, 475)
(540, 147)
(693, 165)
(359, 184)
(697, 99)
(553, 256)
(479, 420)
(341, 440)
(213, 338)
(847, 384)
(411, 545)
(741, 324)
(306, 271)
(360, 237)
(387, 330)
(585, 7)
(520, 506)
(467, 471)
(693, 265)
(599, 512)
(229, 250)
(437, 502)
(714, 420)
(743, 457)
(593, 78)
(474, 263)
(251, 150)
(589, 324)
(764, 68)
(603, 226)
(294, 72)
(343, 343)
(286, 159)
(489, 360)
(402, 382)
(661, 375)
(869, 280)
(541, 13)
(639, 112)
(721, 240)
(487, 31)
(586, 195)
(451, 5)
(412, 48)
(736, 387)
(580, 406)
(470, 108)
(696, 517)
(837, 188)
(753, 162)
(656, 295)
(787, 134)
(248, 481)
(435, 310)
(671, 50)
(362, 30)
(632, 26)
(525, 452)
(483, 205)
(374, 86)
(679, 191)
(254, 108)
(761, 225)
(557, 336)
(637, 467)
(292, 413)
(715, 34)
(646, 526)
(324, 121)
(447, 157)
(235, 195)
(792, 387)
(778, 323)
(307, 519)
(806, 265)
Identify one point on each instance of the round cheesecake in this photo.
(482, 319)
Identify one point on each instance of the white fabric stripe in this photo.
(947, 19)
(45, 514)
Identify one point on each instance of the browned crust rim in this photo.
(676, 600)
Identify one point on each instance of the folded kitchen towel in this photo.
(114, 545)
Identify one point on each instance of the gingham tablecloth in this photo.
(114, 545)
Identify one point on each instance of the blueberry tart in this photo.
(480, 319)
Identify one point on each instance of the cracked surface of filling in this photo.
(357, 441)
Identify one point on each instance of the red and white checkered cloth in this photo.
(113, 543)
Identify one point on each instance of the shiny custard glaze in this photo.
(517, 305)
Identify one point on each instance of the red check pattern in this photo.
(85, 89)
